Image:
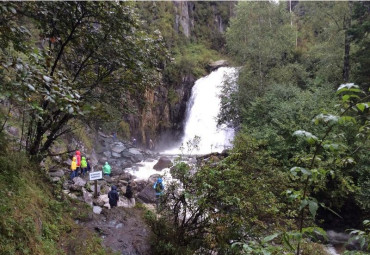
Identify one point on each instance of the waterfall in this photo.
(201, 114)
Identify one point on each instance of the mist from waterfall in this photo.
(201, 114)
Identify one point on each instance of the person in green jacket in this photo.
(83, 166)
(106, 169)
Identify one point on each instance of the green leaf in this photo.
(362, 106)
(348, 87)
(325, 118)
(304, 203)
(270, 237)
(310, 138)
(313, 206)
(345, 119)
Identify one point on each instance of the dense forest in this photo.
(299, 164)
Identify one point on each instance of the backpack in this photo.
(159, 187)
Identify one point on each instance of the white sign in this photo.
(96, 175)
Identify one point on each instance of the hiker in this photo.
(113, 197)
(73, 168)
(158, 187)
(114, 136)
(88, 164)
(129, 194)
(78, 158)
(106, 169)
(151, 144)
(83, 166)
(133, 141)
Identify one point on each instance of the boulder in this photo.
(118, 147)
(153, 178)
(87, 197)
(116, 155)
(136, 155)
(147, 195)
(108, 154)
(71, 195)
(218, 64)
(163, 162)
(125, 202)
(55, 179)
(102, 160)
(68, 162)
(97, 209)
(101, 200)
(124, 183)
(59, 173)
(78, 181)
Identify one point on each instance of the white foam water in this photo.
(201, 114)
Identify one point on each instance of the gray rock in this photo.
(87, 197)
(14, 131)
(102, 134)
(116, 155)
(136, 155)
(78, 181)
(93, 158)
(67, 162)
(118, 147)
(218, 64)
(120, 225)
(55, 179)
(126, 154)
(101, 200)
(97, 209)
(59, 173)
(108, 154)
(147, 195)
(163, 162)
(153, 178)
(124, 202)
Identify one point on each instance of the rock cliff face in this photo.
(188, 18)
(165, 107)
(160, 114)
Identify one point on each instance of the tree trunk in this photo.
(347, 45)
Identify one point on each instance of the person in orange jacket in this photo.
(73, 168)
(78, 157)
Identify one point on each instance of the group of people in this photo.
(79, 165)
(114, 196)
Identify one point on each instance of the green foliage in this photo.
(124, 130)
(361, 236)
(31, 220)
(87, 60)
(218, 202)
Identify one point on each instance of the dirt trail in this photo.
(122, 229)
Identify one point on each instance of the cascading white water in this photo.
(202, 110)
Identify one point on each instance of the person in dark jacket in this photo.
(128, 193)
(113, 197)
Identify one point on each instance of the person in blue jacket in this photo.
(158, 187)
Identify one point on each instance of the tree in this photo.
(97, 49)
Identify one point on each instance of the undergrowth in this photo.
(32, 221)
